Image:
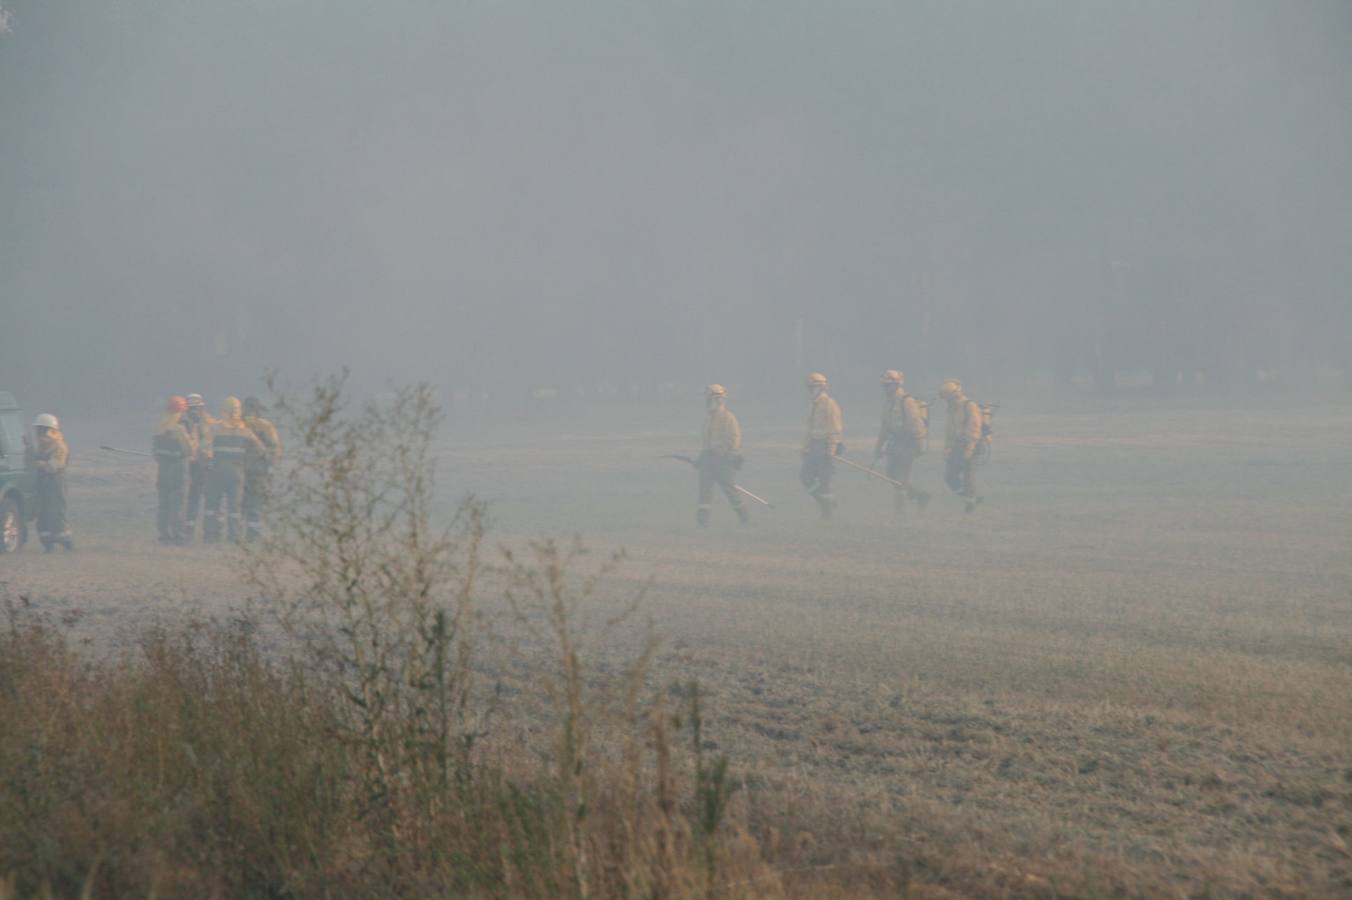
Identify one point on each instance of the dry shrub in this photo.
(189, 765)
(346, 760)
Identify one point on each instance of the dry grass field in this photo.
(1130, 672)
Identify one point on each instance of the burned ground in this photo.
(1132, 667)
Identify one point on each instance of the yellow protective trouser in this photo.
(172, 481)
(901, 457)
(718, 469)
(197, 494)
(255, 496)
(816, 472)
(958, 474)
(225, 495)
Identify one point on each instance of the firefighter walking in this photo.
(720, 457)
(824, 430)
(962, 439)
(258, 467)
(901, 439)
(228, 447)
(50, 456)
(174, 448)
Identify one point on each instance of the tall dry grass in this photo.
(329, 743)
(196, 764)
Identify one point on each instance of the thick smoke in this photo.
(605, 198)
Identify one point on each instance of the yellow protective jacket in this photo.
(198, 432)
(824, 423)
(52, 454)
(901, 415)
(964, 425)
(722, 434)
(231, 441)
(266, 432)
(172, 440)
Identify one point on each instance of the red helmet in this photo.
(177, 404)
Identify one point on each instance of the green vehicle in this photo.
(17, 507)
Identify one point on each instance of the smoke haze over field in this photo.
(501, 196)
(1096, 643)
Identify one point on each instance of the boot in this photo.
(743, 516)
(702, 517)
(827, 504)
(922, 500)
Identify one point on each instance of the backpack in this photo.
(923, 444)
(983, 447)
(924, 410)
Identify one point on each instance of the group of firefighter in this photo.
(901, 439)
(218, 467)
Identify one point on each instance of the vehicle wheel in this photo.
(11, 526)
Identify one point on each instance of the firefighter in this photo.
(174, 448)
(228, 446)
(50, 456)
(196, 421)
(820, 445)
(901, 438)
(720, 456)
(258, 467)
(962, 438)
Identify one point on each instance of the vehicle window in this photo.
(11, 435)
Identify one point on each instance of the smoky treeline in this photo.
(620, 200)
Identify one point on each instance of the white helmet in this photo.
(46, 420)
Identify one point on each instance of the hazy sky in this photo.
(497, 195)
